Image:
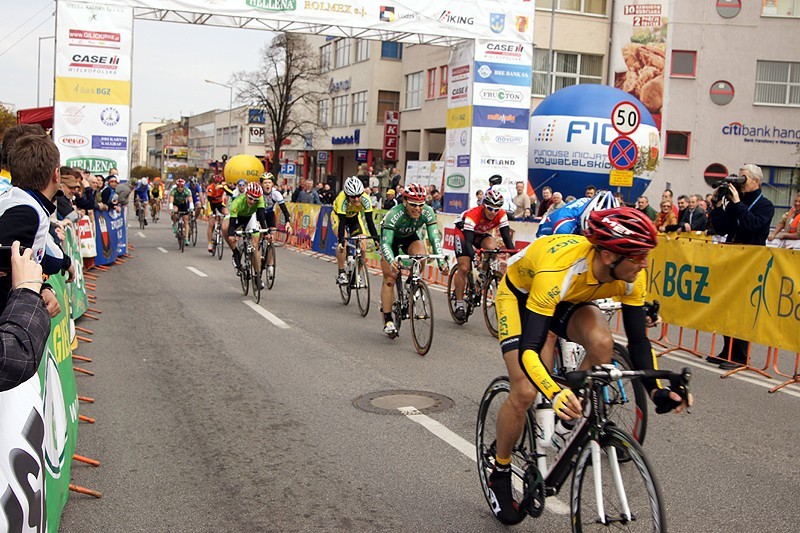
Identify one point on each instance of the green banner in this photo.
(78, 299)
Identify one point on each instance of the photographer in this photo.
(743, 214)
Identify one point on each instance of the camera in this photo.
(723, 186)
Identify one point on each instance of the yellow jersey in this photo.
(342, 206)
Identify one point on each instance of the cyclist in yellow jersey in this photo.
(351, 201)
(550, 285)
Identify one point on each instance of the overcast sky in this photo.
(170, 62)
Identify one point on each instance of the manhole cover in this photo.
(397, 402)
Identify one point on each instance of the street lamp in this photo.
(39, 66)
(230, 111)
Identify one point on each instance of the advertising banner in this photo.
(112, 236)
(78, 299)
(91, 121)
(425, 173)
(86, 237)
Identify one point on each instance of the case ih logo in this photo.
(83, 63)
(73, 140)
(94, 39)
(504, 50)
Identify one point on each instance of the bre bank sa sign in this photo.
(765, 133)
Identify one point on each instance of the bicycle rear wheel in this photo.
(181, 236)
(488, 292)
(361, 285)
(451, 295)
(398, 305)
(255, 281)
(626, 400)
(421, 317)
(485, 442)
(193, 229)
(637, 507)
(219, 243)
(244, 273)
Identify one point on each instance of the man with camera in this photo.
(743, 214)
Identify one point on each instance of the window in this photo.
(359, 108)
(594, 7)
(683, 64)
(780, 189)
(323, 112)
(391, 50)
(781, 8)
(678, 144)
(414, 90)
(778, 83)
(325, 58)
(431, 87)
(387, 101)
(341, 51)
(339, 111)
(362, 50)
(443, 81)
(568, 69)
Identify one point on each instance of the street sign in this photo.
(288, 168)
(623, 153)
(620, 178)
(625, 118)
(322, 157)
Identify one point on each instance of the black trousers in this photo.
(738, 351)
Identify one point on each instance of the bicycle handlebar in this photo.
(418, 257)
(242, 233)
(679, 381)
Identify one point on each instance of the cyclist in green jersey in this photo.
(242, 209)
(399, 233)
(180, 203)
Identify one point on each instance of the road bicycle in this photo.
(180, 231)
(249, 276)
(480, 290)
(606, 490)
(357, 275)
(155, 208)
(217, 242)
(267, 250)
(141, 214)
(413, 301)
(193, 226)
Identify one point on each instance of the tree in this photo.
(7, 119)
(138, 172)
(288, 86)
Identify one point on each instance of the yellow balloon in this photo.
(246, 167)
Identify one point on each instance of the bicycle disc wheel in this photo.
(488, 292)
(626, 400)
(255, 282)
(485, 442)
(193, 227)
(270, 255)
(362, 286)
(640, 488)
(421, 317)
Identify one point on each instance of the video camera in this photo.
(723, 186)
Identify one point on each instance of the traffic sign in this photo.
(621, 178)
(625, 118)
(288, 168)
(623, 153)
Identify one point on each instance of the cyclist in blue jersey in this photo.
(141, 197)
(571, 219)
(197, 195)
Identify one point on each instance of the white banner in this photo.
(91, 123)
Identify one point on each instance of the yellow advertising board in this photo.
(93, 91)
(459, 117)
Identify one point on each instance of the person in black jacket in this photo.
(744, 216)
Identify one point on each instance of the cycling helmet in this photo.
(180, 182)
(415, 193)
(601, 201)
(496, 179)
(622, 230)
(241, 182)
(254, 190)
(218, 178)
(353, 186)
(267, 176)
(493, 198)
(143, 181)
(193, 180)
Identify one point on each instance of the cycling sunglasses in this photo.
(415, 204)
(492, 209)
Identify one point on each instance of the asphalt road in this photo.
(210, 417)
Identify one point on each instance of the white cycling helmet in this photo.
(601, 201)
(353, 186)
(143, 181)
(267, 176)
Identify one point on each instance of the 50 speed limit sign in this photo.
(625, 118)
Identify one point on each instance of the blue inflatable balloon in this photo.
(570, 132)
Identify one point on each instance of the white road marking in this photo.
(141, 234)
(467, 448)
(162, 250)
(266, 314)
(199, 273)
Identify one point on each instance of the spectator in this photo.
(394, 180)
(547, 199)
(373, 197)
(374, 183)
(87, 201)
(522, 203)
(743, 215)
(24, 322)
(390, 201)
(556, 202)
(300, 186)
(665, 217)
(123, 191)
(667, 195)
(65, 208)
(383, 181)
(591, 190)
(9, 137)
(108, 194)
(308, 195)
(327, 195)
(569, 199)
(694, 217)
(436, 201)
(534, 204)
(683, 205)
(643, 205)
(788, 226)
(363, 174)
(399, 194)
(479, 197)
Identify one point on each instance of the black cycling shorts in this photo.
(216, 207)
(353, 226)
(401, 245)
(459, 244)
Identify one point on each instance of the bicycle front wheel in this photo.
(451, 295)
(220, 244)
(244, 275)
(361, 285)
(270, 257)
(609, 493)
(193, 229)
(486, 445)
(181, 237)
(421, 317)
(344, 290)
(626, 399)
(255, 281)
(488, 292)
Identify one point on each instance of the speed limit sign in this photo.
(625, 118)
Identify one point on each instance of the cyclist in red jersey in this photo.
(215, 193)
(474, 229)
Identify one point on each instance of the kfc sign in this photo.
(391, 135)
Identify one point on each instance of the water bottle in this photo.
(569, 354)
(561, 432)
(545, 419)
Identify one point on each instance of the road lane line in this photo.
(464, 446)
(141, 234)
(266, 314)
(162, 250)
(199, 273)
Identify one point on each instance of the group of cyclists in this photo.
(590, 249)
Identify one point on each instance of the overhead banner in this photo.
(91, 121)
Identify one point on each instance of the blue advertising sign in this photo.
(109, 142)
(500, 117)
(361, 155)
(255, 116)
(111, 236)
(322, 157)
(499, 73)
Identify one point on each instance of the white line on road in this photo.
(141, 234)
(199, 273)
(266, 314)
(162, 250)
(464, 446)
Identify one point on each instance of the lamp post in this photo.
(39, 66)
(230, 112)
